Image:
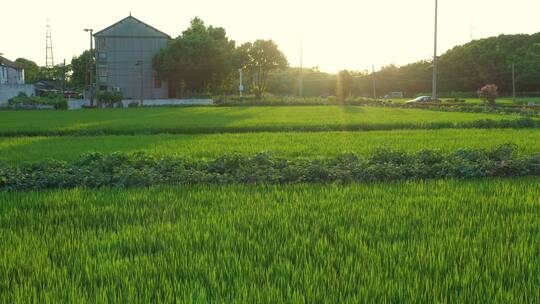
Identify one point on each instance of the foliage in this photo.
(108, 99)
(464, 68)
(32, 72)
(203, 120)
(81, 72)
(28, 102)
(260, 58)
(285, 81)
(197, 61)
(489, 93)
(344, 85)
(140, 170)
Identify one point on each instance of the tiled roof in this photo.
(9, 63)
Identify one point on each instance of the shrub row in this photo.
(23, 101)
(139, 169)
(106, 99)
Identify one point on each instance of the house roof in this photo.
(9, 63)
(48, 85)
(131, 27)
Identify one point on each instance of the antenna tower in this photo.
(49, 58)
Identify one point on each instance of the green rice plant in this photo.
(201, 120)
(414, 242)
(17, 150)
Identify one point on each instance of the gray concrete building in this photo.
(12, 80)
(10, 72)
(124, 53)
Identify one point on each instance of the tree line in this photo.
(203, 60)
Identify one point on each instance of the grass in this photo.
(295, 144)
(438, 241)
(197, 120)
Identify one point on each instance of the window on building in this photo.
(157, 82)
(102, 44)
(102, 55)
(3, 76)
(102, 72)
(102, 79)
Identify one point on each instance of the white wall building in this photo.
(12, 80)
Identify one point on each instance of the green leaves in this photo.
(22, 101)
(197, 61)
(140, 170)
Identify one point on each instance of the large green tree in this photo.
(197, 61)
(80, 69)
(260, 58)
(32, 71)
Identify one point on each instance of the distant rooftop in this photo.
(131, 27)
(6, 62)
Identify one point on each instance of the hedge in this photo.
(97, 170)
(22, 101)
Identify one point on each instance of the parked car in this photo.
(420, 99)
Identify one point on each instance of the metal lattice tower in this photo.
(49, 57)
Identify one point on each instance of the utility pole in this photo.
(374, 87)
(241, 86)
(434, 92)
(91, 67)
(301, 88)
(514, 81)
(64, 77)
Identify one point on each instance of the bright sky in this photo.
(338, 34)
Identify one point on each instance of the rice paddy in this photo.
(411, 241)
(438, 241)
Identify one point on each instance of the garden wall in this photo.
(8, 91)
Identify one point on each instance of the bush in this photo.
(24, 101)
(140, 170)
(489, 94)
(109, 99)
(134, 104)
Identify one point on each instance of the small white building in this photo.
(12, 80)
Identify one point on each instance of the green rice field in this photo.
(200, 120)
(437, 241)
(291, 144)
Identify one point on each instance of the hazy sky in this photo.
(338, 34)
